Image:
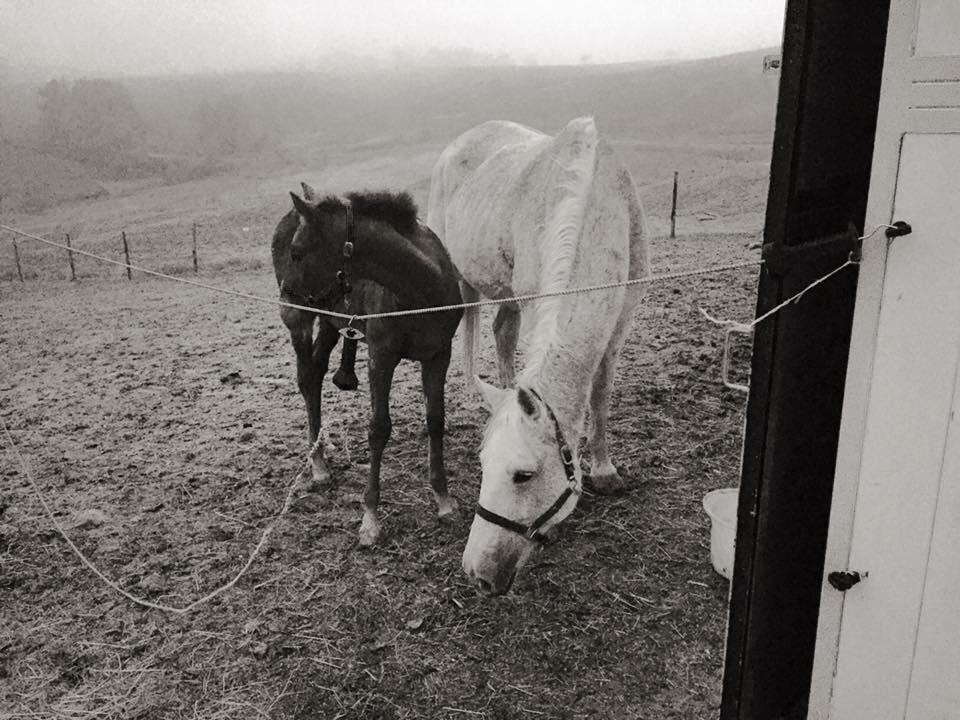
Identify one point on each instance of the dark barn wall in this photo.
(820, 171)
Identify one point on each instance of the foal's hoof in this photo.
(607, 483)
(369, 530)
(345, 379)
(446, 507)
(321, 474)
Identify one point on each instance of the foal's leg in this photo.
(345, 377)
(311, 367)
(603, 474)
(506, 330)
(381, 367)
(433, 373)
(323, 344)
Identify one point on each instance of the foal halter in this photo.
(532, 531)
(341, 287)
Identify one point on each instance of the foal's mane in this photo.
(396, 209)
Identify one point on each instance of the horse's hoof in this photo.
(606, 483)
(446, 507)
(369, 530)
(321, 474)
(345, 379)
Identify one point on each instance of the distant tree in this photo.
(91, 121)
(221, 124)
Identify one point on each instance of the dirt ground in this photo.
(164, 427)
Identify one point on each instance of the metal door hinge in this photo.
(843, 580)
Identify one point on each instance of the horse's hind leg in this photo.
(470, 333)
(381, 367)
(506, 330)
(345, 377)
(433, 373)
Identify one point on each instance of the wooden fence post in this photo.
(16, 257)
(73, 270)
(673, 208)
(195, 249)
(126, 253)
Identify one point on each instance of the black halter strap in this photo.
(341, 287)
(532, 531)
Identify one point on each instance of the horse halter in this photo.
(532, 531)
(341, 287)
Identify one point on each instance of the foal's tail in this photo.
(471, 338)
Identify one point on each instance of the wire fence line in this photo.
(518, 299)
(180, 247)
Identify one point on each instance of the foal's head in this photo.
(530, 483)
(317, 247)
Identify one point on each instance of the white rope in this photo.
(395, 313)
(745, 327)
(25, 469)
(792, 299)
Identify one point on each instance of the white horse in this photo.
(522, 212)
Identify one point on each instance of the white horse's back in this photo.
(523, 212)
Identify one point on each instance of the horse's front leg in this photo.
(381, 366)
(506, 331)
(434, 375)
(323, 345)
(603, 475)
(300, 325)
(312, 359)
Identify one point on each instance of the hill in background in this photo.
(31, 180)
(197, 125)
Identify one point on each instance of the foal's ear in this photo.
(492, 395)
(528, 403)
(309, 194)
(301, 205)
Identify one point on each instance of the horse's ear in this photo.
(301, 206)
(528, 403)
(309, 194)
(492, 395)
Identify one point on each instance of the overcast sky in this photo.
(160, 36)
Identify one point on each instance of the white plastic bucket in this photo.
(721, 506)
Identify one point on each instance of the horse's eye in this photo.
(521, 476)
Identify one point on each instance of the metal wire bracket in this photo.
(740, 329)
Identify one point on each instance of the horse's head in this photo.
(318, 249)
(530, 483)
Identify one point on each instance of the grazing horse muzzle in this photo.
(494, 569)
(498, 545)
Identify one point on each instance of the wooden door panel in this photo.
(918, 344)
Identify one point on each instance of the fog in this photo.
(136, 37)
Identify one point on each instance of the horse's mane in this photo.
(396, 209)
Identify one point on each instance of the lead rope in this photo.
(288, 501)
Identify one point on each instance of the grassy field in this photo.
(164, 426)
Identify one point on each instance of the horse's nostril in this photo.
(296, 255)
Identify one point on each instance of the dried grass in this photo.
(621, 617)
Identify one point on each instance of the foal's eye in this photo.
(522, 476)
